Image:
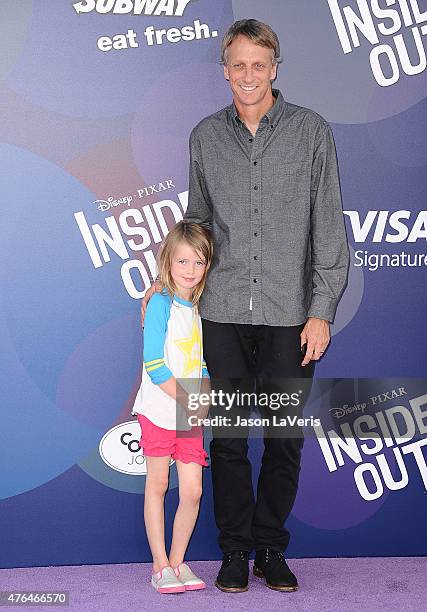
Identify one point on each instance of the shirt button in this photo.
(255, 280)
(255, 233)
(256, 187)
(256, 210)
(255, 163)
(255, 257)
(250, 139)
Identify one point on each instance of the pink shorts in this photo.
(158, 442)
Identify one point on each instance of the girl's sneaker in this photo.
(190, 581)
(166, 581)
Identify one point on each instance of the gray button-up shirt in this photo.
(273, 204)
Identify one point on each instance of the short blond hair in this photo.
(258, 32)
(198, 238)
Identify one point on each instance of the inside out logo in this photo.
(378, 444)
(396, 35)
(133, 231)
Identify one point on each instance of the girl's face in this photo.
(187, 269)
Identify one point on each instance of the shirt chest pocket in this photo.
(288, 180)
(228, 174)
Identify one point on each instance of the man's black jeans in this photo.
(264, 354)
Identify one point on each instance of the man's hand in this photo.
(156, 287)
(317, 337)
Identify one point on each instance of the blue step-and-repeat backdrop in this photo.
(98, 98)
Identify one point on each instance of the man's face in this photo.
(249, 69)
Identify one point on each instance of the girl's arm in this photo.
(174, 390)
(156, 323)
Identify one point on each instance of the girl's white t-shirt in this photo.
(172, 347)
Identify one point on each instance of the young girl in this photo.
(173, 350)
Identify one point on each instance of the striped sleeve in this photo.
(155, 328)
(205, 373)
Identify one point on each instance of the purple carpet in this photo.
(375, 584)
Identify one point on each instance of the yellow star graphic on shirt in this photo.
(191, 347)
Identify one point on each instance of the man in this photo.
(264, 179)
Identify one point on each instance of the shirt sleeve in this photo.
(155, 329)
(329, 248)
(205, 373)
(199, 209)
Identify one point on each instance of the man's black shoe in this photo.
(234, 572)
(271, 565)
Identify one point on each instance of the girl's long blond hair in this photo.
(198, 238)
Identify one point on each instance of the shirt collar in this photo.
(273, 115)
(175, 298)
(182, 301)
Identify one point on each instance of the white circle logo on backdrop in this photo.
(120, 449)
